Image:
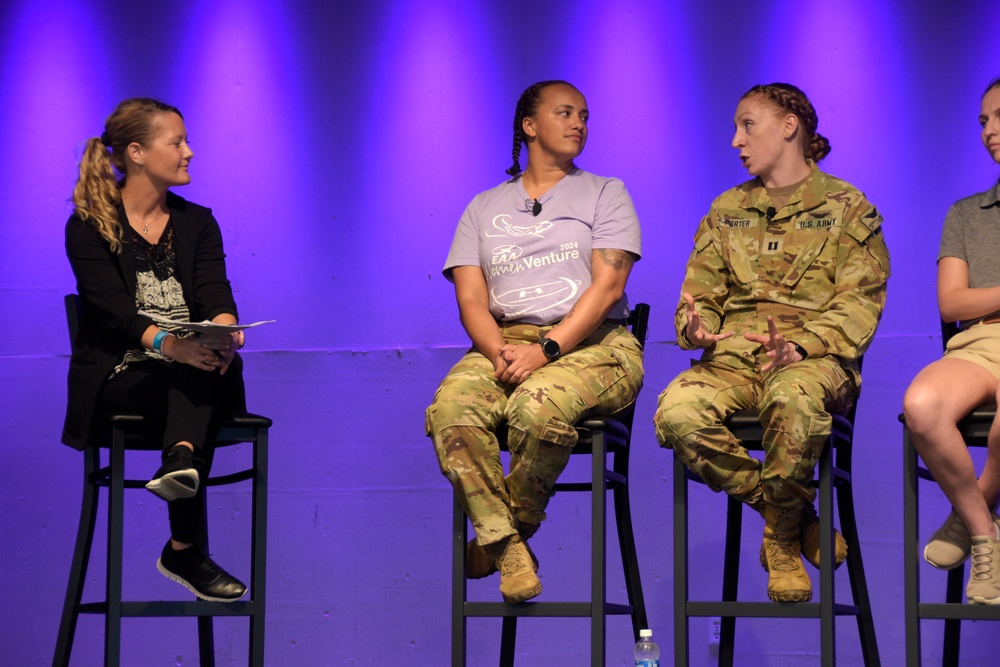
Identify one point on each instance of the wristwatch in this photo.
(550, 348)
(801, 350)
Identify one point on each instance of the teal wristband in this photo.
(158, 341)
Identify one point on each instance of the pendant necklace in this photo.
(145, 225)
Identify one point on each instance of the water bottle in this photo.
(647, 653)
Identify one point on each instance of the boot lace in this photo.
(982, 562)
(780, 556)
(514, 560)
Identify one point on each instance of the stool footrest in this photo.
(766, 609)
(972, 612)
(173, 608)
(542, 609)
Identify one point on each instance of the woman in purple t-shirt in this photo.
(968, 376)
(539, 264)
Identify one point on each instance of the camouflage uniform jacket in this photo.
(818, 266)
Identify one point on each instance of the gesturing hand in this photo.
(778, 350)
(695, 330)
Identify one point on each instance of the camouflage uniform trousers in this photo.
(601, 376)
(793, 402)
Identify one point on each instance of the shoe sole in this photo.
(791, 597)
(175, 485)
(183, 582)
(524, 596)
(942, 566)
(981, 600)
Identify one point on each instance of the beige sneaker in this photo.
(518, 581)
(950, 545)
(480, 562)
(984, 580)
(787, 579)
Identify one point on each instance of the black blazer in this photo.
(110, 324)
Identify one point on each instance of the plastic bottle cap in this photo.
(645, 633)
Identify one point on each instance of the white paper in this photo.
(204, 326)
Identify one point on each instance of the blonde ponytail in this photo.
(96, 195)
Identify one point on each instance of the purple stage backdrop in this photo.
(338, 143)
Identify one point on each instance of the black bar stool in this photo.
(598, 438)
(126, 431)
(745, 425)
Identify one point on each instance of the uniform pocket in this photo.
(738, 259)
(803, 261)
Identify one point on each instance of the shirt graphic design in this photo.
(525, 276)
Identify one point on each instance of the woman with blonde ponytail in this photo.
(135, 246)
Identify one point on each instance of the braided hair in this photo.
(527, 106)
(791, 100)
(97, 192)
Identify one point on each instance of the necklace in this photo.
(145, 224)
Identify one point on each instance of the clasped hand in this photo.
(206, 352)
(514, 363)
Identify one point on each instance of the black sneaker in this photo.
(195, 571)
(177, 477)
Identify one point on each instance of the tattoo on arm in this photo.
(570, 313)
(616, 259)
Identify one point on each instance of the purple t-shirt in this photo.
(536, 267)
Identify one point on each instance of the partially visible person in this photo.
(540, 264)
(134, 245)
(968, 291)
(783, 292)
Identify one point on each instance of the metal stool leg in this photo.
(508, 641)
(730, 578)
(116, 519)
(459, 536)
(258, 548)
(81, 559)
(681, 644)
(630, 561)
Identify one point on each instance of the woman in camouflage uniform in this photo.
(783, 292)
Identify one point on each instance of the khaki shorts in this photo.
(979, 344)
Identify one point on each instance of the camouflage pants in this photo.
(601, 376)
(793, 402)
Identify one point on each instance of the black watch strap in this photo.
(801, 350)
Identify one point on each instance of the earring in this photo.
(142, 164)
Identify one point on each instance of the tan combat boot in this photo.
(809, 538)
(518, 581)
(787, 580)
(481, 562)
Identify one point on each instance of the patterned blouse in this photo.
(157, 289)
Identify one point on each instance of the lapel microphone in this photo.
(534, 205)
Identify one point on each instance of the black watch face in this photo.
(550, 348)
